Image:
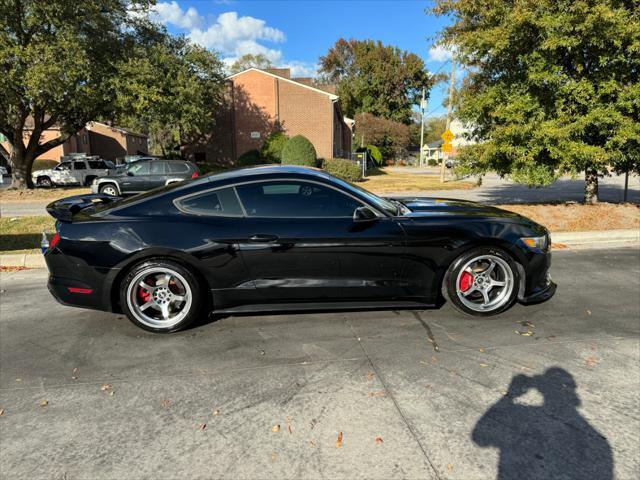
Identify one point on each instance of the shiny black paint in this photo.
(295, 261)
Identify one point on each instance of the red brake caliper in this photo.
(466, 280)
(144, 295)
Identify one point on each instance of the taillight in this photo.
(54, 241)
(195, 175)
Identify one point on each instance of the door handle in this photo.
(262, 238)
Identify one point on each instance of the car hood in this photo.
(432, 207)
(35, 173)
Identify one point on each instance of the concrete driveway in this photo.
(546, 391)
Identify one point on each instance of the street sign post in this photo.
(446, 148)
(447, 136)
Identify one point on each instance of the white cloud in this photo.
(438, 53)
(171, 13)
(302, 69)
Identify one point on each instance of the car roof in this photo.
(261, 170)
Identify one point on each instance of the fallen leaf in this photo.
(166, 403)
(74, 374)
(484, 365)
(18, 379)
(371, 375)
(203, 426)
(591, 361)
(558, 246)
(428, 385)
(274, 456)
(111, 393)
(312, 444)
(339, 440)
(262, 352)
(289, 428)
(378, 440)
(525, 323)
(1, 411)
(44, 403)
(275, 428)
(379, 393)
(215, 412)
(105, 387)
(481, 350)
(588, 312)
(528, 333)
(449, 467)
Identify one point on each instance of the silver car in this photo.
(76, 172)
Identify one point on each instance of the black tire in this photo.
(108, 187)
(130, 290)
(452, 286)
(44, 182)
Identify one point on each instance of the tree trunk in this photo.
(21, 165)
(591, 186)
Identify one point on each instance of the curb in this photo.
(560, 241)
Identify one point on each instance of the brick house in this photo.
(94, 139)
(259, 102)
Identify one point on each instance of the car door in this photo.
(300, 243)
(157, 175)
(135, 177)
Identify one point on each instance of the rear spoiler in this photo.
(65, 208)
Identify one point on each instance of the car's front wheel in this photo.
(161, 296)
(44, 182)
(109, 189)
(482, 282)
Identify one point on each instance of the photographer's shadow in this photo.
(550, 441)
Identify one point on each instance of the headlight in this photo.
(537, 243)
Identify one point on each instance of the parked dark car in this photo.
(278, 238)
(143, 175)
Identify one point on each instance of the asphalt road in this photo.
(494, 190)
(427, 394)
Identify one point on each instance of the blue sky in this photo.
(295, 33)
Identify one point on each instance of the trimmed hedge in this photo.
(271, 151)
(252, 157)
(44, 164)
(345, 169)
(299, 151)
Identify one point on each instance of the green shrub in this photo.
(347, 170)
(252, 157)
(299, 151)
(271, 151)
(374, 154)
(44, 164)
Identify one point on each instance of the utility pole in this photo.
(423, 105)
(452, 86)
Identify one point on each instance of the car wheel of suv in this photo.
(160, 296)
(109, 189)
(44, 182)
(482, 282)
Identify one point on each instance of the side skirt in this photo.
(325, 306)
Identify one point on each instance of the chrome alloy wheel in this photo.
(110, 190)
(485, 283)
(159, 297)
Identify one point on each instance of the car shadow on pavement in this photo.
(552, 440)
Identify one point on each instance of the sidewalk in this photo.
(560, 240)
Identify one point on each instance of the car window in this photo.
(178, 167)
(139, 168)
(79, 166)
(157, 168)
(218, 202)
(97, 164)
(63, 166)
(295, 198)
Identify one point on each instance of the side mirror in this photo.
(129, 173)
(363, 214)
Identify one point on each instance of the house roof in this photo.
(119, 129)
(285, 79)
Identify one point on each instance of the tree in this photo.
(250, 61)
(170, 89)
(433, 128)
(58, 58)
(552, 86)
(375, 78)
(299, 151)
(389, 136)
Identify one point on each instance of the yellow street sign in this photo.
(447, 136)
(447, 148)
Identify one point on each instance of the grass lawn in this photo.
(23, 234)
(389, 180)
(36, 194)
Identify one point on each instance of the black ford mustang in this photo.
(281, 238)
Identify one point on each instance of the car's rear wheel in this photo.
(44, 182)
(482, 282)
(109, 189)
(160, 296)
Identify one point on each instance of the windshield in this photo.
(392, 208)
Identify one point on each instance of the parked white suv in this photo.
(75, 172)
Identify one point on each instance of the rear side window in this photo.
(97, 164)
(222, 202)
(157, 168)
(79, 166)
(177, 167)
